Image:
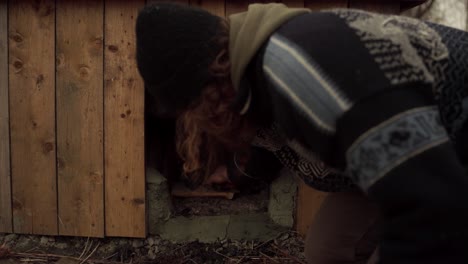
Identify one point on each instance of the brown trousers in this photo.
(344, 231)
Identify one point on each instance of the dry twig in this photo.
(92, 253)
(85, 250)
(286, 254)
(268, 257)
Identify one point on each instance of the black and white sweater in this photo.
(383, 100)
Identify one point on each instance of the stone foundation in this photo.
(252, 226)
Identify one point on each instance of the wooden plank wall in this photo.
(5, 182)
(56, 107)
(71, 115)
(124, 124)
(32, 112)
(80, 117)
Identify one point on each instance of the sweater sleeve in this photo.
(387, 138)
(404, 161)
(393, 146)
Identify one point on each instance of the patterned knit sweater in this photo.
(377, 101)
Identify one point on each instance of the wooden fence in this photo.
(72, 145)
(71, 114)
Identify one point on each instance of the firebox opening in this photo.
(205, 201)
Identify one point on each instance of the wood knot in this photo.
(18, 64)
(95, 177)
(84, 71)
(17, 37)
(113, 48)
(60, 60)
(130, 82)
(97, 41)
(47, 147)
(39, 79)
(123, 115)
(128, 112)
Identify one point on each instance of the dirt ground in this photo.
(285, 248)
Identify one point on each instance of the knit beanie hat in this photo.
(175, 47)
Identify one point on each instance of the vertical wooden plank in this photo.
(32, 116)
(184, 2)
(214, 6)
(5, 181)
(308, 204)
(124, 124)
(325, 4)
(80, 117)
(380, 6)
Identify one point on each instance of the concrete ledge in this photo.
(214, 228)
(202, 228)
(253, 227)
(282, 202)
(257, 226)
